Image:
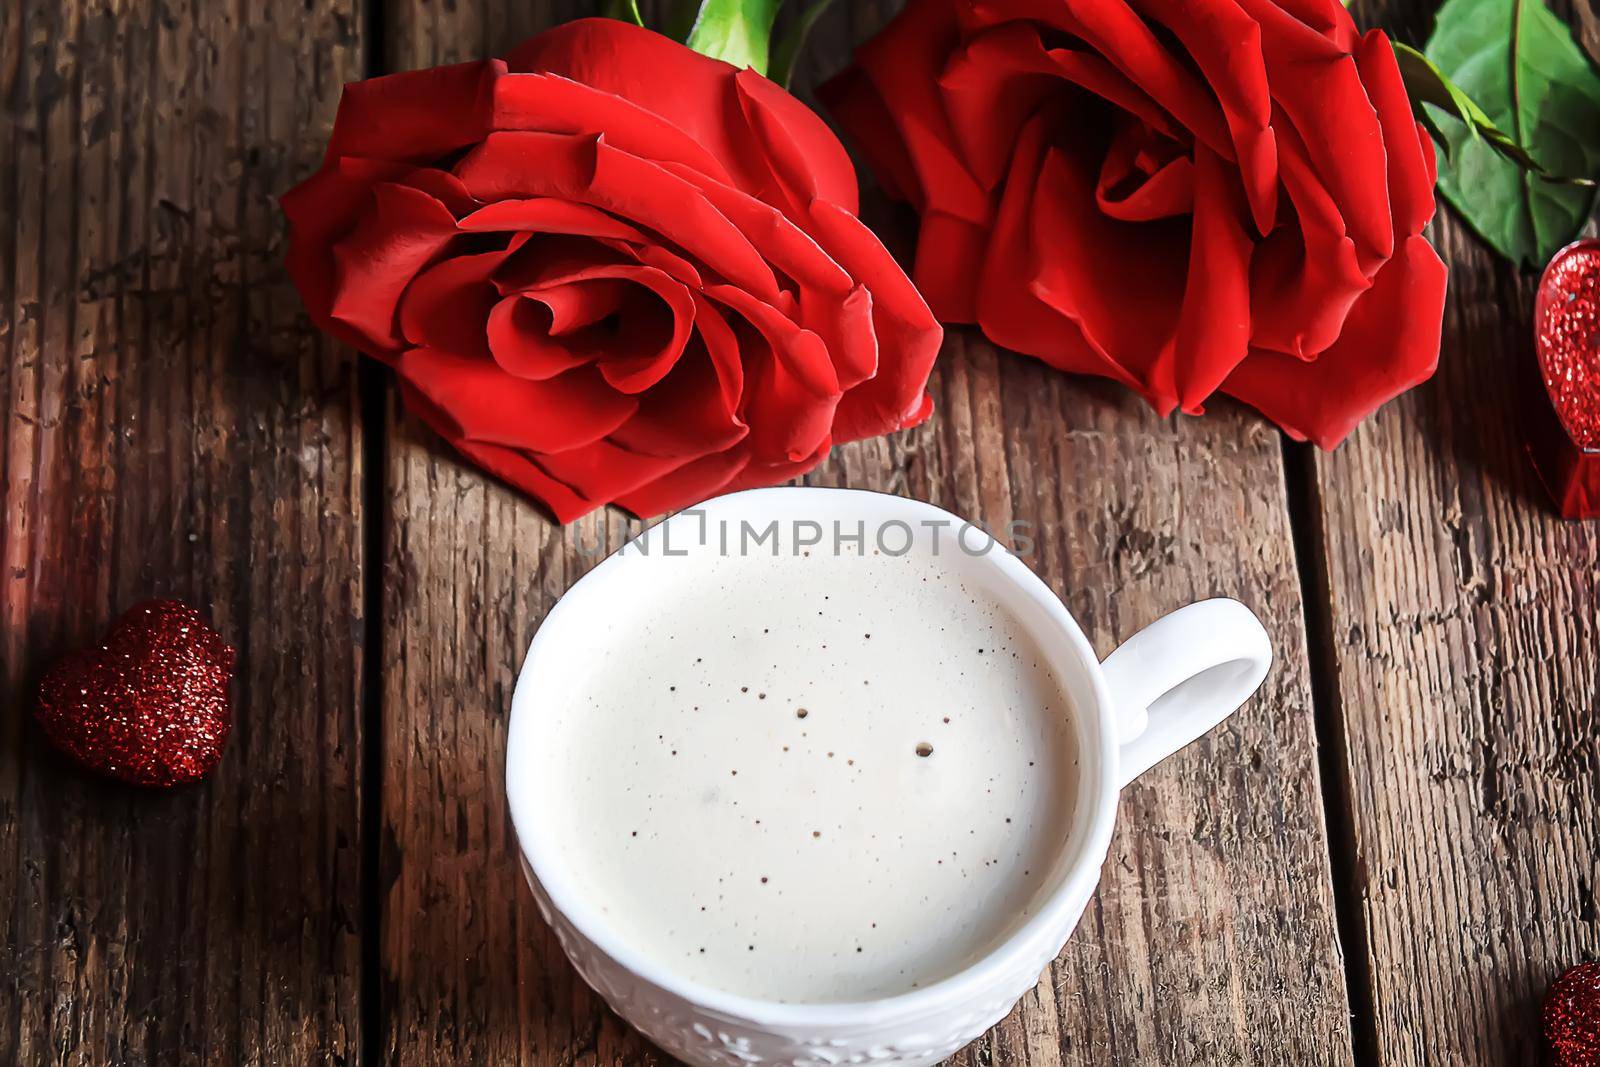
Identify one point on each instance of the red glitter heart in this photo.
(1572, 1016)
(1567, 325)
(150, 705)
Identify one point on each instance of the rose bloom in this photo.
(611, 270)
(1182, 196)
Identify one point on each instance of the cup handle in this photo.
(1180, 676)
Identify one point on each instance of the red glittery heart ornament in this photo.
(1566, 323)
(1572, 1017)
(150, 705)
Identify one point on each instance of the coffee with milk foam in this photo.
(815, 777)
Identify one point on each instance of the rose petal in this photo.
(416, 115)
(520, 341)
(603, 470)
(907, 335)
(689, 484)
(442, 186)
(1330, 18)
(1305, 277)
(1390, 343)
(947, 247)
(321, 210)
(759, 473)
(775, 236)
(830, 304)
(686, 414)
(791, 389)
(520, 164)
(480, 402)
(654, 313)
(804, 159)
(1122, 283)
(1115, 31)
(586, 301)
(400, 233)
(1312, 79)
(1009, 307)
(997, 80)
(669, 263)
(1411, 175)
(557, 104)
(1225, 44)
(1137, 186)
(722, 349)
(736, 123)
(991, 84)
(901, 68)
(448, 304)
(510, 465)
(1213, 331)
(549, 215)
(803, 354)
(854, 101)
(543, 260)
(648, 342)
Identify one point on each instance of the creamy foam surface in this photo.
(810, 779)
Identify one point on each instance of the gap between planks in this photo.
(1303, 495)
(373, 386)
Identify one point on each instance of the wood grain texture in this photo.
(1212, 939)
(1462, 624)
(1463, 620)
(174, 427)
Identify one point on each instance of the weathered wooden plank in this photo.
(1461, 631)
(1212, 939)
(1463, 623)
(175, 427)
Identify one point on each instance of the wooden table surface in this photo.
(1384, 858)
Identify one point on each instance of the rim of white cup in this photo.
(1047, 922)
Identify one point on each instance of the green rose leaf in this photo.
(737, 31)
(1427, 84)
(625, 10)
(1529, 79)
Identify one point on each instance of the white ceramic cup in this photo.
(1165, 686)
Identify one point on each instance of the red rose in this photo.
(610, 269)
(1181, 196)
